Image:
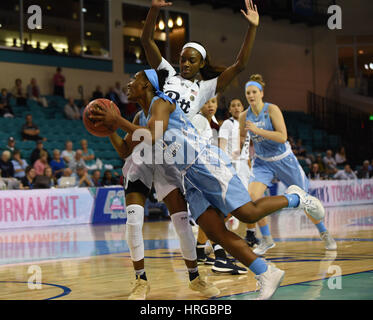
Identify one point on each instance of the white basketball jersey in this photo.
(191, 96)
(230, 131)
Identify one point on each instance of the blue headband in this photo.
(153, 78)
(254, 83)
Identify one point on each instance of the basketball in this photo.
(101, 130)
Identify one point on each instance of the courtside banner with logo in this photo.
(45, 207)
(342, 192)
(110, 206)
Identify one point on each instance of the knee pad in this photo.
(135, 241)
(185, 234)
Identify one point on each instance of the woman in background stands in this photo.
(59, 83)
(27, 182)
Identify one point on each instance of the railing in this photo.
(351, 124)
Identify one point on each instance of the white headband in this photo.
(198, 47)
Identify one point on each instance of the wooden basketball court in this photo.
(92, 262)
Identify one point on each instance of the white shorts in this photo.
(166, 178)
(133, 172)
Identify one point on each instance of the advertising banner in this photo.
(110, 206)
(336, 192)
(342, 192)
(45, 207)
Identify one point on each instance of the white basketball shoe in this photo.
(269, 281)
(310, 204)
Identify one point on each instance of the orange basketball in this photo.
(101, 130)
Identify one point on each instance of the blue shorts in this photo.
(213, 183)
(287, 170)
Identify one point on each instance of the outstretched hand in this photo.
(104, 116)
(161, 3)
(251, 13)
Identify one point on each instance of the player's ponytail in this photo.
(162, 76)
(209, 71)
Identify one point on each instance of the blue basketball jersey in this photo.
(208, 175)
(142, 119)
(181, 143)
(264, 147)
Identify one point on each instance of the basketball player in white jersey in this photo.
(238, 151)
(191, 94)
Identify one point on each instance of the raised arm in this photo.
(226, 77)
(153, 55)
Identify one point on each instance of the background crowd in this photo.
(79, 167)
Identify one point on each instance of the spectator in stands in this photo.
(35, 154)
(68, 153)
(88, 155)
(345, 174)
(57, 164)
(96, 175)
(19, 165)
(18, 93)
(27, 182)
(49, 49)
(27, 46)
(41, 163)
(364, 172)
(320, 162)
(38, 49)
(111, 95)
(30, 131)
(11, 146)
(5, 108)
(340, 157)
(6, 165)
(83, 178)
(330, 164)
(59, 83)
(67, 173)
(299, 150)
(71, 110)
(49, 173)
(97, 94)
(76, 161)
(108, 179)
(33, 92)
(315, 174)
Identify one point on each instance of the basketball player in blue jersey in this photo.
(213, 189)
(136, 191)
(188, 89)
(273, 156)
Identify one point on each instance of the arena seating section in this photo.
(57, 129)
